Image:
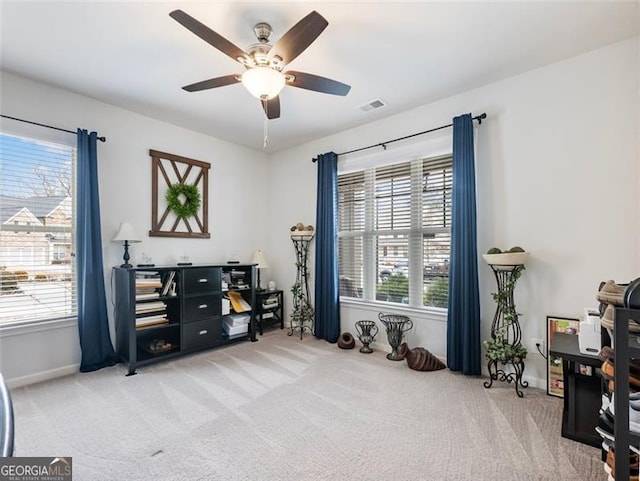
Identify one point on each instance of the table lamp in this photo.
(261, 263)
(127, 235)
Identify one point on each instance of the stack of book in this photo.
(148, 321)
(151, 314)
(146, 285)
(269, 304)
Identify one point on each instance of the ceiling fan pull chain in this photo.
(266, 133)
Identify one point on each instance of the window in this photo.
(37, 278)
(394, 232)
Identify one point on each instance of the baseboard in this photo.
(42, 376)
(536, 382)
(533, 381)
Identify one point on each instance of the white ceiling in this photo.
(135, 56)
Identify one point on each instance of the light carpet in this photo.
(286, 409)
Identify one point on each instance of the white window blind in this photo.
(395, 232)
(37, 272)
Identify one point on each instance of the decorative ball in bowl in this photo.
(301, 230)
(516, 256)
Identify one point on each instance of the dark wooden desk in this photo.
(582, 393)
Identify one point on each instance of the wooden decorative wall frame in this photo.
(169, 169)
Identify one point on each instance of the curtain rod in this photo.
(101, 139)
(384, 144)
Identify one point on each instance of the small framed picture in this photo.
(555, 379)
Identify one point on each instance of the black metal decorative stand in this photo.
(396, 325)
(505, 346)
(303, 313)
(367, 331)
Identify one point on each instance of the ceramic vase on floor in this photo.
(419, 359)
(346, 341)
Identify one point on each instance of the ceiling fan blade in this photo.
(299, 37)
(315, 82)
(208, 35)
(212, 83)
(271, 107)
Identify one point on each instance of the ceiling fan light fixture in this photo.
(264, 77)
(263, 82)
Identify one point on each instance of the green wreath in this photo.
(191, 204)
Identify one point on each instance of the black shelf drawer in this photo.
(201, 334)
(201, 279)
(202, 307)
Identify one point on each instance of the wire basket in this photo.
(396, 325)
(385, 318)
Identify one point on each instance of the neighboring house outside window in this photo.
(394, 224)
(60, 254)
(37, 279)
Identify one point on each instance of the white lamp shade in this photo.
(126, 233)
(258, 258)
(263, 82)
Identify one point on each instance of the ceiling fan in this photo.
(264, 64)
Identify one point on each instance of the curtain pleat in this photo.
(327, 309)
(463, 327)
(93, 324)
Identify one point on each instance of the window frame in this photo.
(69, 312)
(415, 233)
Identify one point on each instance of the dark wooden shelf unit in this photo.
(626, 347)
(193, 314)
(582, 393)
(269, 314)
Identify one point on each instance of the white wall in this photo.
(557, 173)
(237, 216)
(557, 170)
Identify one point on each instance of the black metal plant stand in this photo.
(303, 313)
(505, 346)
(396, 325)
(367, 331)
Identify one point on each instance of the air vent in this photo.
(373, 105)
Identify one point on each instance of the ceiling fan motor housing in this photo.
(259, 55)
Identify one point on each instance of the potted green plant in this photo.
(500, 350)
(302, 311)
(502, 347)
(505, 346)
